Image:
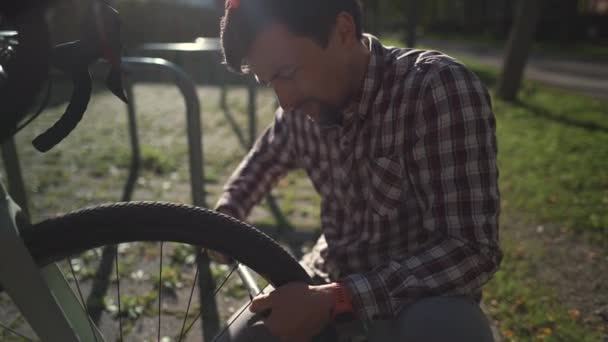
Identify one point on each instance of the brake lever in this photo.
(107, 39)
(114, 83)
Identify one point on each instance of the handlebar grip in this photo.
(81, 95)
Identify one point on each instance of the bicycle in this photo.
(29, 253)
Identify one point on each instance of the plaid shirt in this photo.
(408, 182)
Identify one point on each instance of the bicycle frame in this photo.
(44, 297)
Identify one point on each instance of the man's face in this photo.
(304, 75)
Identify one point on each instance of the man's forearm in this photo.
(450, 267)
(269, 159)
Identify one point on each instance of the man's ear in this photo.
(345, 30)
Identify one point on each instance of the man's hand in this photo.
(299, 311)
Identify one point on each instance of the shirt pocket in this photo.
(385, 185)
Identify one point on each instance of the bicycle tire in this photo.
(60, 237)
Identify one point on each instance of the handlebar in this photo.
(23, 73)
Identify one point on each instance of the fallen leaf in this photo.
(574, 314)
(591, 255)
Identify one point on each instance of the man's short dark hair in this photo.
(307, 18)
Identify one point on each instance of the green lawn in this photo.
(528, 311)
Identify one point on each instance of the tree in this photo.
(371, 11)
(518, 48)
(412, 16)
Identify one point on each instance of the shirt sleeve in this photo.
(452, 167)
(270, 158)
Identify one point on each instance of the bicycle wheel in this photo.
(72, 234)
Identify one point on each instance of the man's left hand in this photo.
(298, 311)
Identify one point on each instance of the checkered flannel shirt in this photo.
(408, 182)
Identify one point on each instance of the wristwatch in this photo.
(342, 310)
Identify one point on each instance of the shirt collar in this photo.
(361, 104)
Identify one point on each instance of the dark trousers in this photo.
(432, 319)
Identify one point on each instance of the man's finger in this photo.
(260, 303)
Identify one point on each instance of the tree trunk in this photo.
(370, 10)
(518, 48)
(412, 16)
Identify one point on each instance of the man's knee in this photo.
(436, 319)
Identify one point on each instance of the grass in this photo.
(554, 150)
(527, 311)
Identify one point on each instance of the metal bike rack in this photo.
(187, 88)
(207, 45)
(212, 45)
(193, 120)
(195, 151)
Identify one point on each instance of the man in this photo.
(400, 144)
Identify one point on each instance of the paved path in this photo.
(587, 77)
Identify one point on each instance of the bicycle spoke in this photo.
(214, 294)
(160, 289)
(118, 293)
(15, 332)
(82, 299)
(181, 334)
